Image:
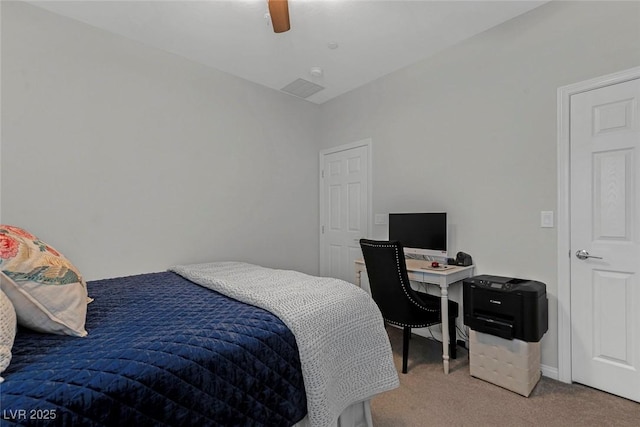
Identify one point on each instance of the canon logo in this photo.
(495, 302)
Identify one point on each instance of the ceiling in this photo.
(373, 37)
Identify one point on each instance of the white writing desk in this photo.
(421, 271)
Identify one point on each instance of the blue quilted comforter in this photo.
(160, 351)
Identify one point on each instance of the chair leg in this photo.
(406, 336)
(452, 338)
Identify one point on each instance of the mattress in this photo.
(161, 350)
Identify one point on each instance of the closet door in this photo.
(605, 238)
(344, 204)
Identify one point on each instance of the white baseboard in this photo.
(549, 372)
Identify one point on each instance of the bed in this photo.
(190, 347)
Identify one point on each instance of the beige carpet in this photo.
(427, 397)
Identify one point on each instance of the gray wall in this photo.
(472, 132)
(129, 159)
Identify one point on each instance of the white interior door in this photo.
(605, 225)
(344, 204)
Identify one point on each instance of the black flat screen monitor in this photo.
(420, 233)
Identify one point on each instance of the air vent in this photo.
(302, 88)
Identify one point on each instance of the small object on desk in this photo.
(463, 259)
(435, 264)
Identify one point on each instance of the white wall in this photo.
(128, 159)
(472, 132)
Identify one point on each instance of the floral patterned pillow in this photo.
(47, 291)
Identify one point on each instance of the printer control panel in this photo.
(497, 282)
(494, 285)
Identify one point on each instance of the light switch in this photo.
(380, 219)
(546, 219)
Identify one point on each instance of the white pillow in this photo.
(7, 331)
(47, 291)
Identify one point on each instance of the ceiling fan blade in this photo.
(279, 11)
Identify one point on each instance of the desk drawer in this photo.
(416, 276)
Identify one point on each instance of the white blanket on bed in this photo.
(344, 349)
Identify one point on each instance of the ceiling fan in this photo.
(279, 12)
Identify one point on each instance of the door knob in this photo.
(583, 254)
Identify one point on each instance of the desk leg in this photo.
(358, 274)
(444, 307)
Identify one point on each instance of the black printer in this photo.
(506, 307)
